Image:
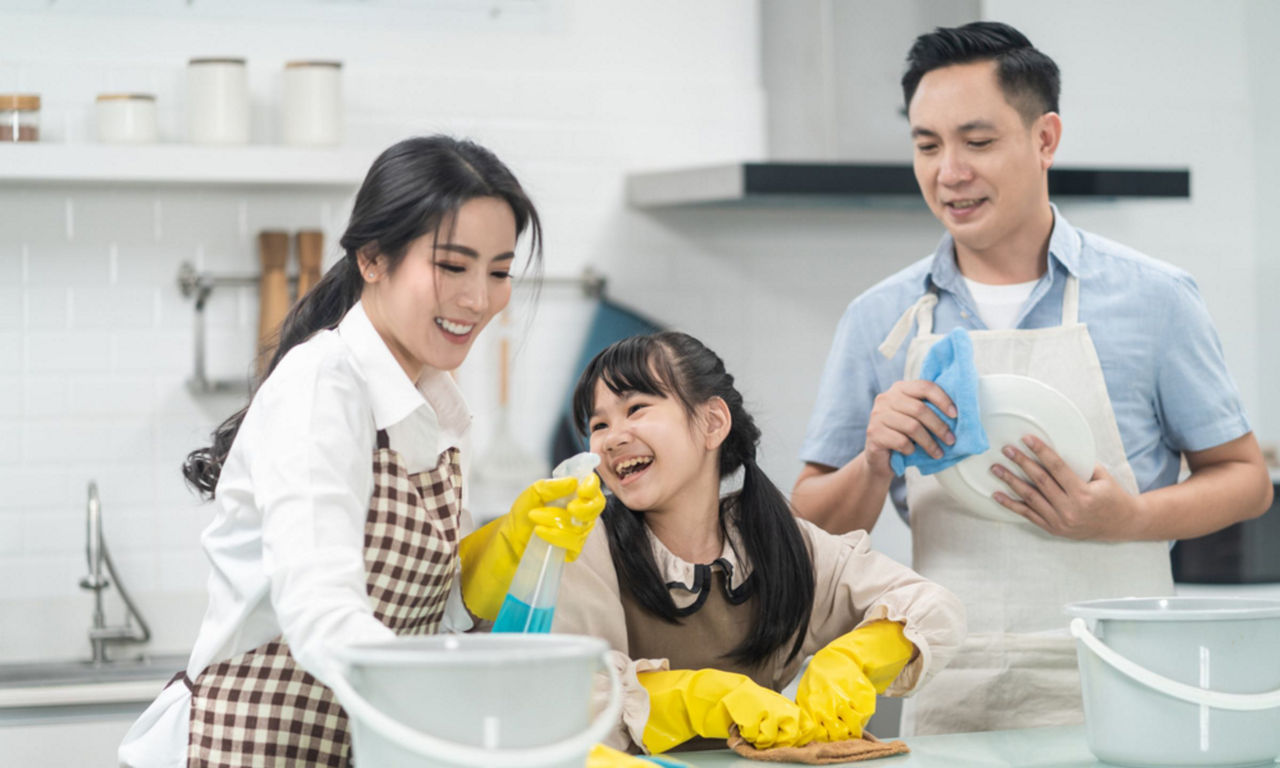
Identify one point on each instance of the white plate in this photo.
(1012, 407)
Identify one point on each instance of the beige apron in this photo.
(715, 625)
(261, 708)
(1017, 667)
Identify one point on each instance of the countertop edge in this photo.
(88, 693)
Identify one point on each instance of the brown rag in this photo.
(819, 753)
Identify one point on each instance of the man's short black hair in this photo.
(1029, 78)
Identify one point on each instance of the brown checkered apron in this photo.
(260, 708)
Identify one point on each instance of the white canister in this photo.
(218, 101)
(126, 118)
(311, 108)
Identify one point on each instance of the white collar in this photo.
(393, 395)
(681, 575)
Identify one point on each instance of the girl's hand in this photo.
(684, 703)
(839, 688)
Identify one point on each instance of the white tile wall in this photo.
(1264, 62)
(1138, 90)
(95, 339)
(96, 343)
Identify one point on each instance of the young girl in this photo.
(712, 601)
(339, 487)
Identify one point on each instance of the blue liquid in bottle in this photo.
(517, 616)
(531, 597)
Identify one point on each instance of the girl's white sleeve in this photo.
(313, 477)
(856, 585)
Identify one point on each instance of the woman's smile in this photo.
(454, 331)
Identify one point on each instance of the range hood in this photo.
(836, 129)
(790, 183)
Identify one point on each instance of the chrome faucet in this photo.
(100, 635)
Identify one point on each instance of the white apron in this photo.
(1017, 667)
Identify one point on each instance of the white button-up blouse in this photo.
(286, 544)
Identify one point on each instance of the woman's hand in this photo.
(568, 527)
(491, 554)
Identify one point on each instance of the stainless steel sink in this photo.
(73, 672)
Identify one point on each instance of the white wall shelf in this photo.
(179, 164)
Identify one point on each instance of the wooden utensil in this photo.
(310, 245)
(273, 293)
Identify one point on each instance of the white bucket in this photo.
(1181, 680)
(488, 701)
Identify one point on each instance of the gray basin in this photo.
(73, 672)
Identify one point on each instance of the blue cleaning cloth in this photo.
(949, 364)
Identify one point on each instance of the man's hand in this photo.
(1061, 503)
(900, 420)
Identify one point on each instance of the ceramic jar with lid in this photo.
(311, 105)
(218, 101)
(126, 118)
(19, 117)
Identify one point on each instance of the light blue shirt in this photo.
(1160, 354)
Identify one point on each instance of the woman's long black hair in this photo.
(673, 364)
(413, 188)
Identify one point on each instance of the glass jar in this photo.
(126, 118)
(311, 110)
(19, 117)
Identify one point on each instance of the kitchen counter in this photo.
(1059, 747)
(75, 713)
(93, 743)
(32, 689)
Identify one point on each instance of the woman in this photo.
(712, 601)
(339, 487)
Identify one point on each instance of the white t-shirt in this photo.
(286, 543)
(999, 305)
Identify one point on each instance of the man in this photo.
(1127, 338)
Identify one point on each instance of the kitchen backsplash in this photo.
(96, 347)
(96, 340)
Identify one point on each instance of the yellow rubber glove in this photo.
(490, 555)
(601, 756)
(839, 688)
(684, 703)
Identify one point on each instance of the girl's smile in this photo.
(630, 469)
(653, 452)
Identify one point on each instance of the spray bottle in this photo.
(531, 599)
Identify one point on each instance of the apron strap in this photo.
(1071, 301)
(921, 313)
